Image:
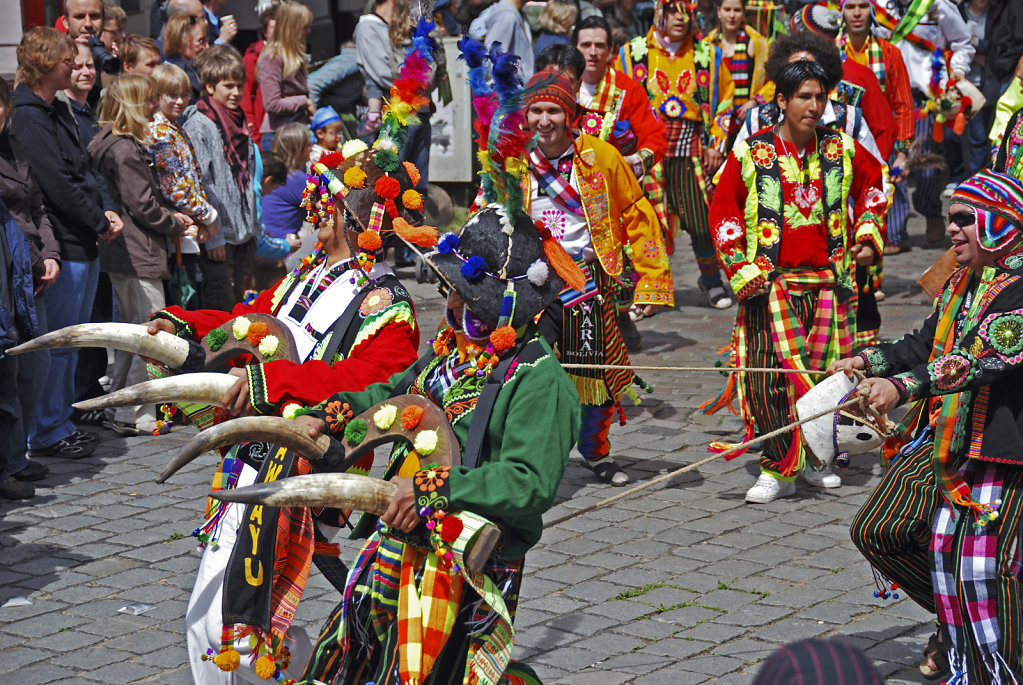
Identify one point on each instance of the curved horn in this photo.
(130, 337)
(334, 490)
(203, 388)
(273, 429)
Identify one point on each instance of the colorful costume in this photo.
(1009, 159)
(746, 65)
(783, 224)
(692, 91)
(944, 522)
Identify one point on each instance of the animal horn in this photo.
(335, 490)
(202, 388)
(272, 429)
(130, 337)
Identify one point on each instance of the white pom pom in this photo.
(537, 272)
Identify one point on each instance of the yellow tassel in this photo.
(265, 667)
(228, 660)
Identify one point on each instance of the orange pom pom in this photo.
(355, 177)
(256, 332)
(412, 200)
(387, 187)
(413, 172)
(411, 416)
(423, 236)
(503, 338)
(370, 241)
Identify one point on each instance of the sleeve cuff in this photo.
(659, 292)
(182, 328)
(868, 232)
(908, 387)
(432, 487)
(746, 280)
(335, 414)
(258, 390)
(874, 362)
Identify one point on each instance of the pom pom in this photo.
(353, 147)
(537, 273)
(448, 243)
(425, 443)
(370, 241)
(265, 667)
(387, 187)
(412, 200)
(413, 172)
(450, 529)
(355, 432)
(355, 177)
(256, 332)
(383, 418)
(291, 410)
(503, 338)
(423, 236)
(268, 346)
(387, 160)
(411, 416)
(474, 268)
(240, 327)
(228, 660)
(332, 159)
(216, 338)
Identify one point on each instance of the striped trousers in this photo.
(929, 182)
(687, 206)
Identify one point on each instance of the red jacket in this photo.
(876, 110)
(252, 94)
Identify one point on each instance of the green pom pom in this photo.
(216, 338)
(355, 432)
(387, 160)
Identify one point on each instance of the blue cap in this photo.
(324, 115)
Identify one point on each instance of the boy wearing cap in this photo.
(326, 128)
(944, 523)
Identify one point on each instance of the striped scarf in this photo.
(606, 96)
(875, 56)
(556, 186)
(740, 68)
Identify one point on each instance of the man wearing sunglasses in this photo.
(944, 523)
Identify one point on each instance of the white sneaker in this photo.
(822, 479)
(768, 488)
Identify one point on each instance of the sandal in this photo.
(934, 665)
(607, 471)
(717, 296)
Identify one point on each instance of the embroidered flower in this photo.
(662, 82)
(837, 255)
(950, 372)
(652, 249)
(378, 300)
(684, 81)
(703, 78)
(832, 148)
(673, 107)
(875, 201)
(729, 231)
(429, 480)
(592, 124)
(763, 154)
(337, 415)
(764, 263)
(705, 109)
(835, 224)
(769, 233)
(1004, 332)
(639, 73)
(554, 222)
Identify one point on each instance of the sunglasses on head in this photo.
(963, 219)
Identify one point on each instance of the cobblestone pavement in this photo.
(682, 584)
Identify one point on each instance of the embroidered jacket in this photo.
(747, 66)
(691, 84)
(837, 116)
(984, 363)
(621, 221)
(381, 340)
(765, 216)
(1010, 152)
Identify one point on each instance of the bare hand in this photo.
(82, 39)
(228, 29)
(314, 424)
(236, 399)
(401, 512)
(294, 241)
(900, 164)
(51, 269)
(184, 220)
(863, 254)
(636, 163)
(883, 394)
(712, 160)
(116, 226)
(155, 326)
(217, 254)
(846, 366)
(208, 231)
(310, 107)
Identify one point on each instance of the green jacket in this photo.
(533, 426)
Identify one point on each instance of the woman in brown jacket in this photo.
(137, 259)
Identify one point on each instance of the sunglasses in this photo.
(963, 219)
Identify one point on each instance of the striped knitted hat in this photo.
(999, 201)
(551, 85)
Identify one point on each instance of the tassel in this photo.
(724, 398)
(938, 134)
(565, 267)
(959, 125)
(423, 236)
(265, 667)
(228, 660)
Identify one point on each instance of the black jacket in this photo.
(64, 171)
(1003, 39)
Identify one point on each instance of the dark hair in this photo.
(823, 49)
(794, 74)
(563, 57)
(594, 21)
(274, 168)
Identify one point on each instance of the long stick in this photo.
(719, 369)
(690, 467)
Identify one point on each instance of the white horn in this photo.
(130, 337)
(334, 490)
(202, 388)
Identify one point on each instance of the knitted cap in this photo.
(324, 115)
(819, 19)
(554, 86)
(999, 201)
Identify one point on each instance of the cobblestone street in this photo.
(681, 584)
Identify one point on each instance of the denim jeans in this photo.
(33, 369)
(12, 430)
(67, 302)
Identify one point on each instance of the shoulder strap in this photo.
(410, 376)
(340, 326)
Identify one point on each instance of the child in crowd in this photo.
(271, 250)
(136, 260)
(177, 168)
(227, 159)
(326, 128)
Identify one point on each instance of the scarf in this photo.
(875, 56)
(740, 68)
(231, 123)
(556, 186)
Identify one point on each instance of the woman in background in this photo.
(184, 37)
(282, 69)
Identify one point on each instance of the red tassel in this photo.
(959, 125)
(939, 132)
